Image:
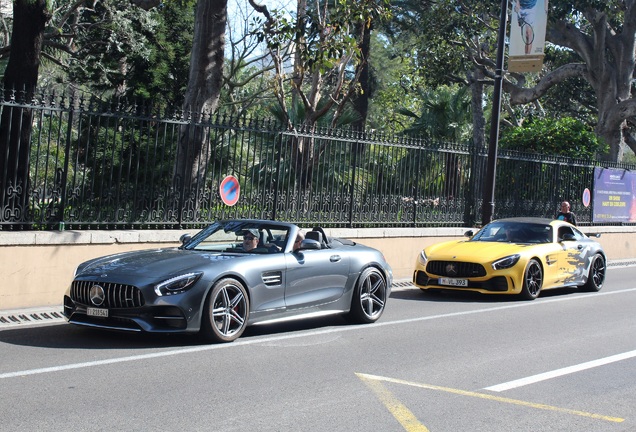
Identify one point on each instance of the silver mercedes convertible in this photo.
(232, 274)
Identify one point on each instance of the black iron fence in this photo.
(83, 164)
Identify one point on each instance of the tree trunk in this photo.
(361, 101)
(201, 99)
(20, 81)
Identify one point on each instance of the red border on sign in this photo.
(230, 190)
(587, 196)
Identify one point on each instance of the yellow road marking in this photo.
(492, 397)
(401, 413)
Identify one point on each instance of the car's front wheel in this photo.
(596, 276)
(369, 297)
(532, 280)
(226, 311)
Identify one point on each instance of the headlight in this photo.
(422, 258)
(177, 284)
(506, 262)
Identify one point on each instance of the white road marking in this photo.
(560, 372)
(255, 341)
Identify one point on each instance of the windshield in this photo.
(514, 232)
(240, 237)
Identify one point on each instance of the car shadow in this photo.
(415, 294)
(68, 336)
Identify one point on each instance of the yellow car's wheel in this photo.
(596, 276)
(532, 280)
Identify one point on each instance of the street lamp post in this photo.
(488, 205)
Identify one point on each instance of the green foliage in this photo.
(325, 41)
(163, 73)
(445, 115)
(394, 81)
(446, 31)
(572, 98)
(565, 136)
(109, 37)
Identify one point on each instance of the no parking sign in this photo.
(586, 197)
(230, 190)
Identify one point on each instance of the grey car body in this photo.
(212, 286)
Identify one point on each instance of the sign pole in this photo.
(488, 206)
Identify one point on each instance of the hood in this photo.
(472, 250)
(153, 263)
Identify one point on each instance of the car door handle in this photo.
(334, 258)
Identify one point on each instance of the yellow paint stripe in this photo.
(494, 398)
(401, 413)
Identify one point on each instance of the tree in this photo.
(394, 81)
(565, 136)
(597, 36)
(452, 37)
(29, 20)
(326, 41)
(202, 96)
(32, 38)
(603, 36)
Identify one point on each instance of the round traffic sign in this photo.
(230, 190)
(586, 197)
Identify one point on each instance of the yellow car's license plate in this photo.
(453, 282)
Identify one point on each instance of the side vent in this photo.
(272, 278)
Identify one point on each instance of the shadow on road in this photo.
(416, 294)
(69, 336)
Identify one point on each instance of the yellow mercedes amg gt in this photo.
(519, 256)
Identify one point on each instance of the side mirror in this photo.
(469, 233)
(185, 238)
(568, 237)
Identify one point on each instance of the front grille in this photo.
(116, 295)
(456, 269)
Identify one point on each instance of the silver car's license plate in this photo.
(453, 282)
(97, 312)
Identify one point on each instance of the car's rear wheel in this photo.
(532, 280)
(596, 276)
(369, 297)
(226, 311)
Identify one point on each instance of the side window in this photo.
(578, 234)
(563, 231)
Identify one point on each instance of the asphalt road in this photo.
(446, 362)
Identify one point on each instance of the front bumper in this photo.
(163, 319)
(495, 284)
(131, 308)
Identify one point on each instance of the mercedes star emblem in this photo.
(97, 295)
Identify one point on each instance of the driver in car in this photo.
(250, 239)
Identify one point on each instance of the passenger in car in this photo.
(299, 238)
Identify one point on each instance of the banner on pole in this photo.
(527, 35)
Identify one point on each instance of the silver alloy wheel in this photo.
(370, 296)
(226, 312)
(229, 310)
